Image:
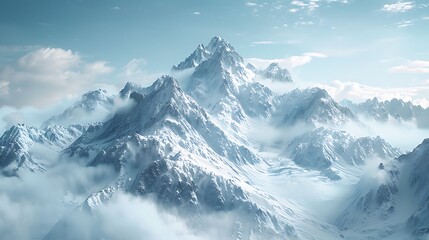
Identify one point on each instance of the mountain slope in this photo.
(26, 148)
(277, 73)
(94, 106)
(312, 106)
(391, 109)
(391, 199)
(198, 56)
(418, 160)
(224, 147)
(166, 146)
(336, 153)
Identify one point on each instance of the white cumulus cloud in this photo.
(46, 75)
(398, 7)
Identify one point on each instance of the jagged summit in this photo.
(333, 152)
(275, 72)
(198, 56)
(312, 106)
(381, 197)
(129, 88)
(95, 95)
(166, 109)
(93, 106)
(164, 97)
(16, 146)
(217, 43)
(203, 53)
(391, 109)
(223, 143)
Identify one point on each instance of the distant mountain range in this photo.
(196, 147)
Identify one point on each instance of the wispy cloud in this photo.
(415, 66)
(315, 54)
(196, 13)
(310, 5)
(269, 42)
(290, 62)
(116, 8)
(17, 48)
(136, 71)
(398, 7)
(303, 23)
(263, 43)
(252, 4)
(254, 7)
(405, 23)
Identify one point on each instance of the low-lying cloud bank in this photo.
(47, 206)
(131, 217)
(31, 204)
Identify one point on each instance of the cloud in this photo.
(139, 217)
(303, 23)
(268, 42)
(252, 4)
(44, 76)
(28, 115)
(340, 1)
(291, 62)
(32, 203)
(310, 5)
(144, 216)
(358, 92)
(398, 7)
(405, 23)
(116, 8)
(416, 66)
(196, 13)
(315, 54)
(134, 67)
(263, 43)
(135, 71)
(17, 48)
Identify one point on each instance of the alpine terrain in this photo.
(222, 153)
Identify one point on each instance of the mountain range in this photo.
(221, 142)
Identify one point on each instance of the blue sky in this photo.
(354, 48)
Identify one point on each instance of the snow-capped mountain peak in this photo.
(336, 153)
(95, 96)
(93, 106)
(216, 43)
(396, 109)
(17, 146)
(275, 72)
(313, 106)
(198, 56)
(223, 144)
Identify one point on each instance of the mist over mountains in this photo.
(217, 155)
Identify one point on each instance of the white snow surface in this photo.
(220, 142)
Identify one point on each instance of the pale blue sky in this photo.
(369, 48)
